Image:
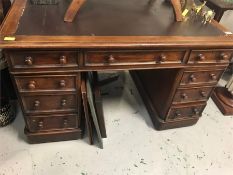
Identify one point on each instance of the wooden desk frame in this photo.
(162, 111)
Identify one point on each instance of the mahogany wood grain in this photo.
(177, 9)
(159, 89)
(87, 114)
(46, 83)
(53, 136)
(4, 7)
(185, 111)
(47, 36)
(49, 103)
(136, 42)
(10, 26)
(72, 10)
(21, 60)
(224, 100)
(185, 95)
(99, 104)
(159, 124)
(133, 57)
(51, 55)
(210, 56)
(50, 123)
(202, 77)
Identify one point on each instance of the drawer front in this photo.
(201, 77)
(42, 59)
(185, 111)
(210, 56)
(49, 103)
(42, 123)
(191, 95)
(46, 83)
(101, 58)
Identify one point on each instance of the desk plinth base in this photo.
(163, 125)
(224, 100)
(54, 136)
(158, 123)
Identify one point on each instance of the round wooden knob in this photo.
(196, 111)
(213, 76)
(28, 60)
(184, 96)
(31, 85)
(201, 57)
(62, 83)
(37, 103)
(111, 59)
(203, 93)
(40, 124)
(224, 56)
(63, 102)
(65, 123)
(193, 78)
(177, 114)
(63, 59)
(162, 58)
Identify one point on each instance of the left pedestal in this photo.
(48, 88)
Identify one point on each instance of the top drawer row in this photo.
(69, 59)
(102, 58)
(42, 59)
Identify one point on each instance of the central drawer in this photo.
(50, 103)
(42, 123)
(101, 58)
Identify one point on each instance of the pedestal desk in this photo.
(175, 65)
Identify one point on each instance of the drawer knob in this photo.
(203, 94)
(28, 60)
(62, 83)
(201, 57)
(65, 123)
(63, 102)
(63, 59)
(40, 124)
(111, 59)
(32, 85)
(224, 56)
(36, 103)
(177, 114)
(196, 111)
(213, 76)
(193, 78)
(184, 96)
(162, 58)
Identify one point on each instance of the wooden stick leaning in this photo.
(73, 10)
(177, 10)
(75, 5)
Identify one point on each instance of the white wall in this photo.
(227, 20)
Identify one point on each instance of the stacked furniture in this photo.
(50, 100)
(182, 103)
